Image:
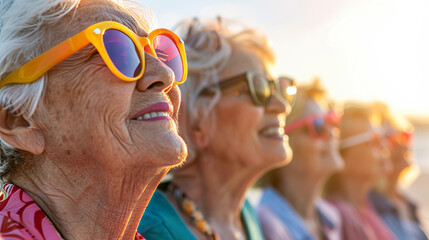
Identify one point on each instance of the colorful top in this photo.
(21, 218)
(361, 224)
(162, 221)
(280, 221)
(404, 229)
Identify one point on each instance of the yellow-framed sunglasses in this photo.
(120, 48)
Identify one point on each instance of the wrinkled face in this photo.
(92, 117)
(366, 160)
(316, 156)
(246, 134)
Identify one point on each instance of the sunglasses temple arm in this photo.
(294, 125)
(355, 140)
(231, 81)
(35, 69)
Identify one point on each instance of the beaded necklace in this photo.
(191, 210)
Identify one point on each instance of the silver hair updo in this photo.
(209, 47)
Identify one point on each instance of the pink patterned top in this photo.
(361, 224)
(21, 218)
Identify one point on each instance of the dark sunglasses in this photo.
(316, 124)
(260, 87)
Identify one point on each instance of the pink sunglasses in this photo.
(316, 124)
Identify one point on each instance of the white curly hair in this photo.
(25, 34)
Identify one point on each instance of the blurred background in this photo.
(362, 50)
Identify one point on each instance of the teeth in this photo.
(276, 131)
(152, 115)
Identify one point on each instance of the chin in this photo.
(164, 151)
(289, 153)
(278, 157)
(174, 151)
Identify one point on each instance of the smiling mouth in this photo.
(159, 111)
(277, 132)
(152, 116)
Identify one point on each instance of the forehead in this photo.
(350, 127)
(242, 61)
(311, 107)
(92, 12)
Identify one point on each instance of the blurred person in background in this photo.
(363, 147)
(398, 212)
(233, 119)
(89, 106)
(291, 207)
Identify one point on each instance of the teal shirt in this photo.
(161, 221)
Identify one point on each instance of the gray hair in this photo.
(24, 35)
(209, 47)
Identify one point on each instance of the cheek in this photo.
(240, 121)
(367, 160)
(355, 159)
(85, 103)
(400, 160)
(175, 97)
(236, 133)
(304, 147)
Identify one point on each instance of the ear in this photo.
(18, 133)
(201, 132)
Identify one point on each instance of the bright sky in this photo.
(361, 49)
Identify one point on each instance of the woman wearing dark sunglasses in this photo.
(291, 207)
(89, 105)
(232, 120)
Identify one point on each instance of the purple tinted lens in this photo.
(167, 52)
(319, 125)
(122, 52)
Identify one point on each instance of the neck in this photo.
(91, 207)
(301, 190)
(218, 191)
(391, 187)
(355, 189)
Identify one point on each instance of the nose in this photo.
(277, 104)
(332, 132)
(385, 159)
(157, 76)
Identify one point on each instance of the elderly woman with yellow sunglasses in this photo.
(88, 116)
(291, 206)
(232, 118)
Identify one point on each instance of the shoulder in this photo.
(275, 210)
(251, 221)
(352, 224)
(348, 213)
(21, 218)
(328, 211)
(329, 218)
(272, 227)
(161, 221)
(10, 229)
